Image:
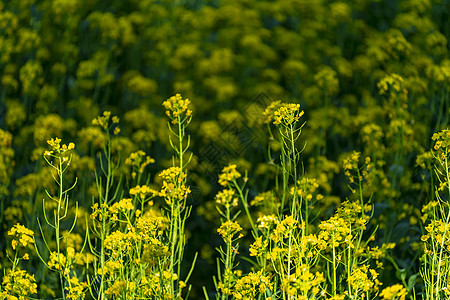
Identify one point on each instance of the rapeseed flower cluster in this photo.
(99, 213)
(58, 262)
(258, 247)
(18, 285)
(392, 85)
(287, 114)
(227, 198)
(394, 292)
(173, 188)
(267, 221)
(442, 140)
(229, 173)
(303, 284)
(104, 122)
(363, 280)
(143, 191)
(251, 285)
(22, 236)
(438, 231)
(57, 148)
(177, 107)
(138, 161)
(270, 110)
(76, 289)
(229, 230)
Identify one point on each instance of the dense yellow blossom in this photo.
(122, 206)
(270, 111)
(55, 145)
(363, 280)
(21, 236)
(228, 230)
(267, 221)
(58, 262)
(442, 140)
(287, 114)
(303, 283)
(394, 292)
(258, 247)
(143, 191)
(250, 286)
(227, 198)
(177, 107)
(18, 283)
(76, 289)
(229, 173)
(139, 160)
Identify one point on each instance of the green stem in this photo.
(174, 233)
(57, 224)
(334, 267)
(244, 202)
(228, 258)
(289, 260)
(294, 171)
(104, 200)
(441, 250)
(180, 140)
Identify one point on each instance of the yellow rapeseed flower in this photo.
(226, 198)
(268, 113)
(229, 229)
(177, 107)
(57, 148)
(394, 292)
(267, 221)
(21, 235)
(18, 282)
(228, 174)
(288, 114)
(143, 191)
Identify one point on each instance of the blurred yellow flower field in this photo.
(224, 149)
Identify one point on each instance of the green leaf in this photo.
(401, 274)
(411, 282)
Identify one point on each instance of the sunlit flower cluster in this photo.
(76, 289)
(143, 191)
(394, 292)
(303, 284)
(58, 262)
(229, 173)
(177, 107)
(104, 121)
(251, 285)
(57, 148)
(270, 110)
(287, 114)
(442, 140)
(363, 279)
(18, 284)
(123, 206)
(227, 198)
(22, 236)
(138, 160)
(229, 229)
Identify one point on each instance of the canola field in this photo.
(244, 149)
